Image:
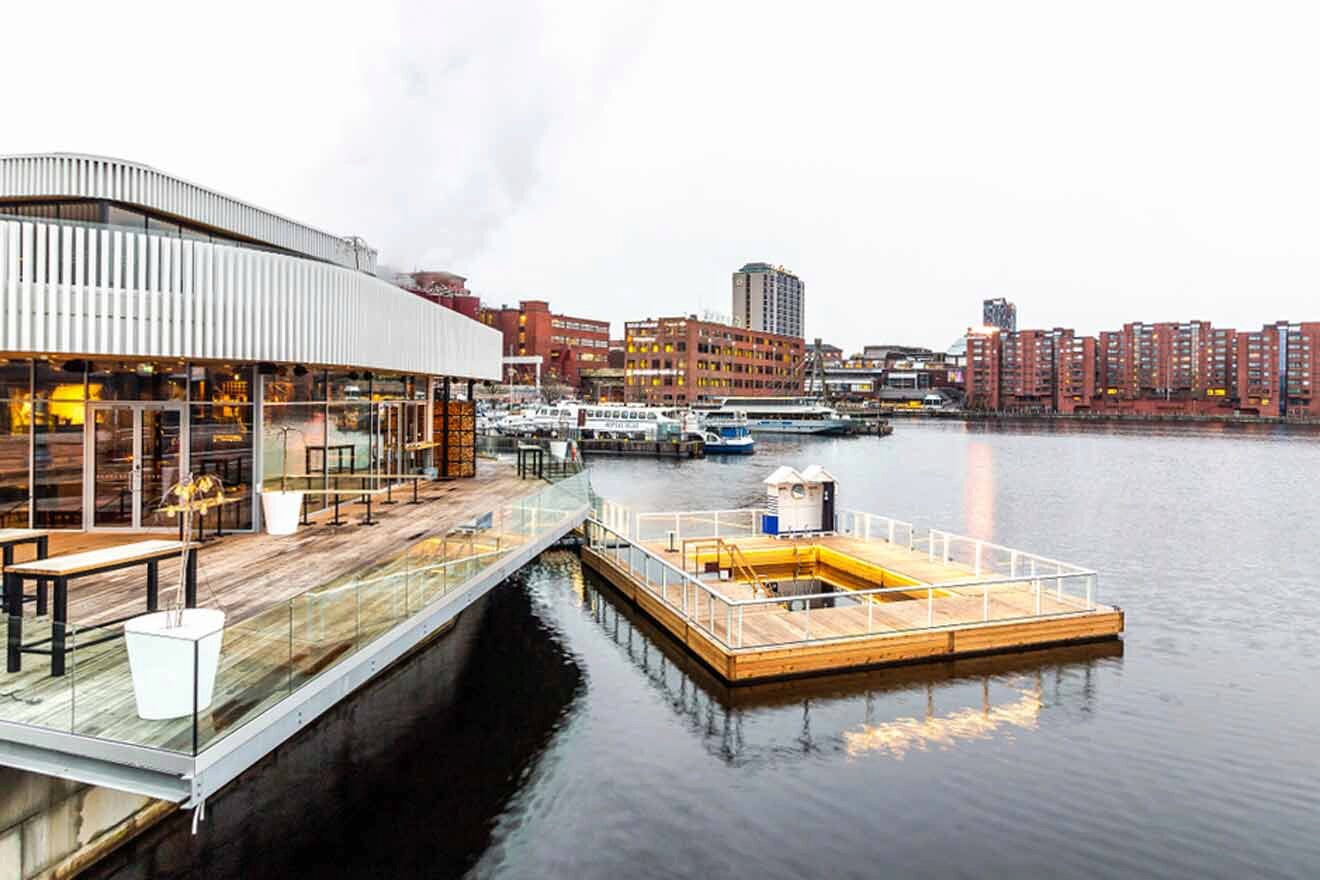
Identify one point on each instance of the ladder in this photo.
(739, 565)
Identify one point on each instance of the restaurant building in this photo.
(671, 361)
(151, 327)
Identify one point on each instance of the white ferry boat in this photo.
(729, 437)
(779, 415)
(611, 421)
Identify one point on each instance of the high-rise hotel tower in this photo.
(768, 298)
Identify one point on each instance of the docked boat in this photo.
(779, 415)
(611, 421)
(729, 437)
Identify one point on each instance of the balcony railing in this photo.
(268, 656)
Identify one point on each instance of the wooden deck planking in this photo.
(342, 597)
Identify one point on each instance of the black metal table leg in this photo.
(368, 521)
(389, 494)
(43, 547)
(58, 626)
(9, 555)
(304, 511)
(336, 521)
(190, 580)
(153, 586)
(41, 597)
(415, 481)
(14, 629)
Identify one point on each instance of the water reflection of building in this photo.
(155, 327)
(878, 713)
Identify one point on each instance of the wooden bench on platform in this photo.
(62, 569)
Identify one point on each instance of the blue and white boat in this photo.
(778, 415)
(729, 437)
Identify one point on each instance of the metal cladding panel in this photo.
(96, 177)
(138, 295)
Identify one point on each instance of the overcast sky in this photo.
(1097, 163)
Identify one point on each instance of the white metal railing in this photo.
(697, 602)
(698, 524)
(981, 557)
(1006, 583)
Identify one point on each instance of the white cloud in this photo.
(1095, 163)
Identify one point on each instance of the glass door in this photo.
(389, 438)
(135, 454)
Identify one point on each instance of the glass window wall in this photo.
(59, 410)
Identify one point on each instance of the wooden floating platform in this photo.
(941, 617)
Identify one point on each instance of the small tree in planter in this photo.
(174, 654)
(280, 507)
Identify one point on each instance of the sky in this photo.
(1095, 163)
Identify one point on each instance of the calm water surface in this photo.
(1190, 750)
(584, 744)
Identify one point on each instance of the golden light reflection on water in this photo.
(896, 738)
(979, 490)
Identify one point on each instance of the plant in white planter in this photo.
(174, 654)
(280, 507)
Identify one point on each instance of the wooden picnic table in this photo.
(62, 569)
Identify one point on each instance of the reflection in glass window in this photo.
(15, 425)
(295, 385)
(137, 380)
(222, 445)
(222, 383)
(117, 216)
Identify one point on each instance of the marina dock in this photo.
(874, 592)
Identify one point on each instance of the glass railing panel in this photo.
(32, 695)
(325, 627)
(256, 671)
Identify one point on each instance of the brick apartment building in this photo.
(674, 361)
(566, 344)
(1175, 368)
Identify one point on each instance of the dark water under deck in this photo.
(586, 745)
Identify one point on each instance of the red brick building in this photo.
(566, 344)
(1167, 368)
(984, 353)
(686, 360)
(1074, 371)
(444, 289)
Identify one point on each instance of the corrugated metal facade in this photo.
(91, 291)
(98, 177)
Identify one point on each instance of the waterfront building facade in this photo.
(151, 327)
(566, 344)
(1164, 368)
(768, 299)
(684, 360)
(999, 312)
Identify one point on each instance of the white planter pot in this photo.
(280, 511)
(162, 657)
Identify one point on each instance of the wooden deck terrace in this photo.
(294, 604)
(942, 616)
